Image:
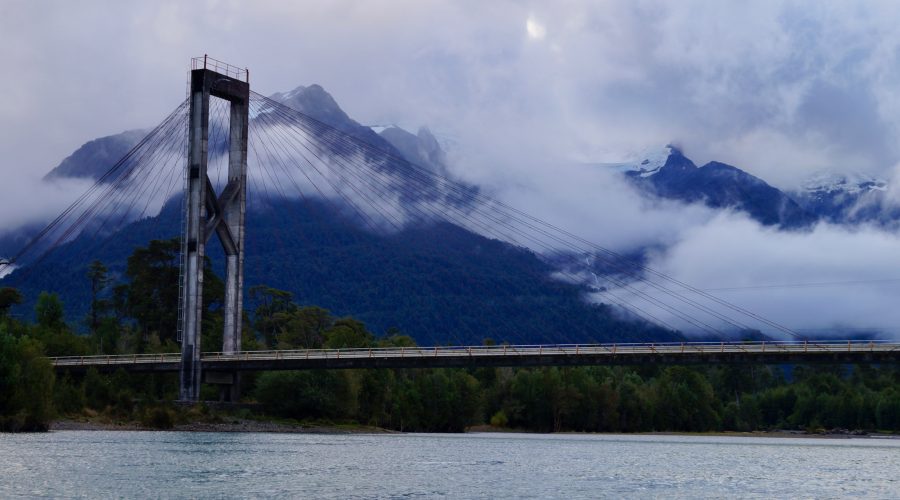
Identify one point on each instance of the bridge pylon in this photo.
(207, 212)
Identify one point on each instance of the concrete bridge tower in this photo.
(207, 212)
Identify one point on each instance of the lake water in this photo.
(242, 465)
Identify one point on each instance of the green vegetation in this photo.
(137, 316)
(436, 282)
(26, 385)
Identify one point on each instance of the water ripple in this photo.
(79, 464)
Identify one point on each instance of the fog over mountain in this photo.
(715, 226)
(779, 88)
(534, 98)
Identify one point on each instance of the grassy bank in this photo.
(200, 418)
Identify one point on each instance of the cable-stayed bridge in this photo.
(233, 151)
(672, 353)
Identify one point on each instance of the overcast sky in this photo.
(777, 88)
(781, 89)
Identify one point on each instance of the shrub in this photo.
(499, 419)
(159, 417)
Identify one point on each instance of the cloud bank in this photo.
(29, 201)
(831, 281)
(779, 88)
(524, 90)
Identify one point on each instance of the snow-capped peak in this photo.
(381, 128)
(851, 183)
(643, 162)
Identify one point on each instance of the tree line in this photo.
(137, 313)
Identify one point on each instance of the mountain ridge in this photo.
(722, 186)
(716, 184)
(435, 281)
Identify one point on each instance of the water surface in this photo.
(186, 464)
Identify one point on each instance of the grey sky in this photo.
(780, 89)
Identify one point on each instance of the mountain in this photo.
(94, 158)
(851, 198)
(435, 281)
(721, 186)
(89, 161)
(315, 102)
(438, 282)
(391, 151)
(836, 198)
(421, 148)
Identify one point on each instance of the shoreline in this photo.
(780, 433)
(248, 425)
(236, 425)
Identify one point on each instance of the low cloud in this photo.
(596, 203)
(29, 201)
(526, 91)
(777, 88)
(829, 281)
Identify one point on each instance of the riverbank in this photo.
(230, 425)
(291, 427)
(778, 433)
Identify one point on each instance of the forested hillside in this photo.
(436, 282)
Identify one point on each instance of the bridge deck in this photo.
(506, 355)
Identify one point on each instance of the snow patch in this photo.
(5, 269)
(645, 162)
(293, 93)
(851, 183)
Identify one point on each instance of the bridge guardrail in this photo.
(115, 359)
(220, 67)
(613, 349)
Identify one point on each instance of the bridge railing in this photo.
(220, 67)
(115, 359)
(613, 349)
(551, 349)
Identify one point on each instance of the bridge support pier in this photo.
(207, 212)
(228, 382)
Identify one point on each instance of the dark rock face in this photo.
(723, 186)
(316, 103)
(422, 148)
(96, 157)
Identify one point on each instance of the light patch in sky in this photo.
(535, 30)
(780, 89)
(5, 269)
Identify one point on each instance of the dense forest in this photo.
(436, 282)
(137, 315)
